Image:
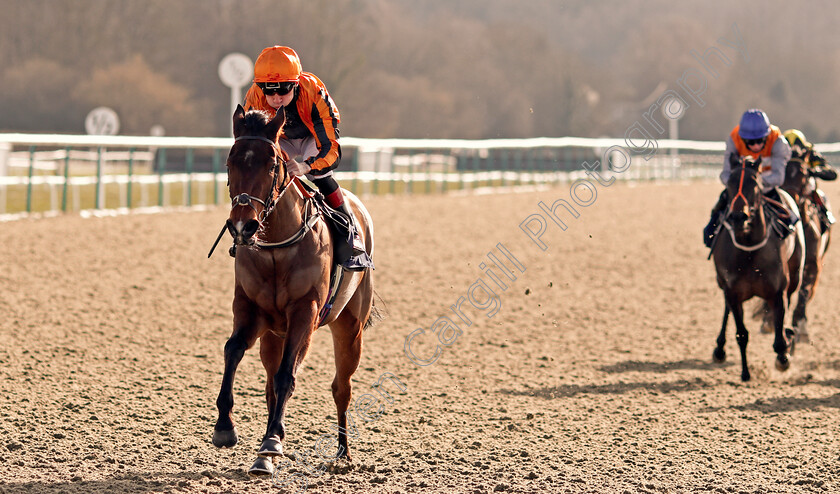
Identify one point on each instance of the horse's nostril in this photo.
(739, 217)
(250, 228)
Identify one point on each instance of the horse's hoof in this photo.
(782, 363)
(271, 446)
(745, 375)
(225, 439)
(262, 467)
(719, 355)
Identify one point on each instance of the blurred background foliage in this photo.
(429, 69)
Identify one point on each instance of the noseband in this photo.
(740, 193)
(268, 204)
(763, 242)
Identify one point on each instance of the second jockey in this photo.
(817, 167)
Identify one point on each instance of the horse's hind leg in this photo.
(719, 355)
(244, 335)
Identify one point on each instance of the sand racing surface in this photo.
(590, 372)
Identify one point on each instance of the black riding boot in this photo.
(356, 243)
(714, 222)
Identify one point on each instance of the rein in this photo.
(741, 185)
(739, 246)
(747, 248)
(309, 221)
(269, 204)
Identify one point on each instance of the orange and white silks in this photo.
(765, 152)
(317, 112)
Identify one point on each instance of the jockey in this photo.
(754, 137)
(817, 168)
(311, 128)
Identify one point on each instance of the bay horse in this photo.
(283, 262)
(816, 242)
(752, 261)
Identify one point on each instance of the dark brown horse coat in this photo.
(753, 261)
(816, 243)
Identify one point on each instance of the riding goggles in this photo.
(272, 88)
(750, 142)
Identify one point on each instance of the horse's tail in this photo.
(376, 313)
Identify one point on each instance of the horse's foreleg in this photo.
(243, 337)
(719, 355)
(347, 345)
(781, 343)
(224, 433)
(741, 334)
(271, 351)
(298, 336)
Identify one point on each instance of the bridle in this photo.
(740, 193)
(268, 204)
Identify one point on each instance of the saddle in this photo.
(781, 218)
(341, 228)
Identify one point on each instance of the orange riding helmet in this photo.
(277, 64)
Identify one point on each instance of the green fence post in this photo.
(355, 168)
(130, 177)
(530, 166)
(216, 163)
(161, 166)
(428, 172)
(460, 169)
(98, 192)
(503, 165)
(444, 181)
(392, 187)
(29, 182)
(375, 185)
(476, 169)
(410, 182)
(66, 178)
(189, 176)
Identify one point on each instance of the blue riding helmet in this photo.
(754, 124)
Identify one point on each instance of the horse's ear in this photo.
(757, 163)
(276, 123)
(238, 117)
(734, 160)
